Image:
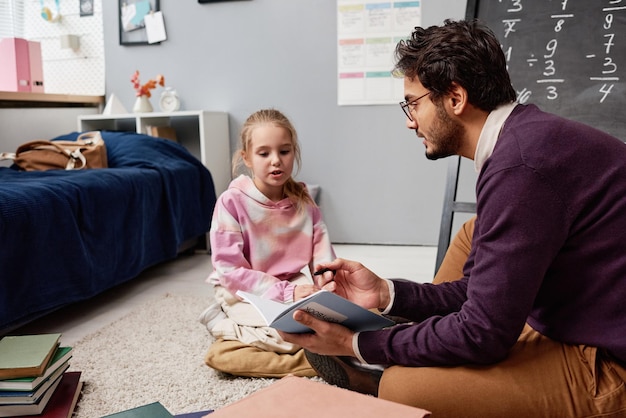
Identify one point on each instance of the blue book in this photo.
(198, 414)
(151, 410)
(323, 305)
(32, 408)
(155, 410)
(8, 397)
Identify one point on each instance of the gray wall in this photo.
(239, 56)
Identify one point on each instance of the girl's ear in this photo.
(244, 158)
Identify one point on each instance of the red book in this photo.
(64, 398)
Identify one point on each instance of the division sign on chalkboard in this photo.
(568, 57)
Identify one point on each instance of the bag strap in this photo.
(7, 156)
(76, 155)
(28, 146)
(91, 137)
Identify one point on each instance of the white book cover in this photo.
(323, 305)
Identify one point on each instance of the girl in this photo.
(266, 230)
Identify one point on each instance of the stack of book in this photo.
(166, 132)
(34, 377)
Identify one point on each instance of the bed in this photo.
(69, 235)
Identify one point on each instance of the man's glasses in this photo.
(408, 107)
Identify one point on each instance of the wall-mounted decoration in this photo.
(50, 14)
(367, 34)
(132, 26)
(214, 1)
(86, 8)
(155, 28)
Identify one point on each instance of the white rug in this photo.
(154, 353)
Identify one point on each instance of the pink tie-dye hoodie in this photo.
(258, 245)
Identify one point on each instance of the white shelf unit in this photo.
(203, 133)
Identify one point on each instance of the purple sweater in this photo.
(549, 249)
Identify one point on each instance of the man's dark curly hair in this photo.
(464, 52)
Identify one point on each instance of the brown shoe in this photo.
(340, 372)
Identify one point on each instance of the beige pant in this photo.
(452, 264)
(242, 322)
(241, 359)
(539, 378)
(244, 346)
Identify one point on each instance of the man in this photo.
(537, 325)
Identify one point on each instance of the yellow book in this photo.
(166, 132)
(26, 355)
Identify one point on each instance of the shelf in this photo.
(24, 99)
(147, 115)
(203, 133)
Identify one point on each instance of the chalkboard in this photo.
(568, 56)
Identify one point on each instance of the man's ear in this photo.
(457, 97)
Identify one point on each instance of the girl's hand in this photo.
(303, 290)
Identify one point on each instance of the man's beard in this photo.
(446, 138)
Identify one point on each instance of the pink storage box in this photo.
(20, 65)
(36, 67)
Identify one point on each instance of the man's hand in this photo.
(328, 338)
(354, 282)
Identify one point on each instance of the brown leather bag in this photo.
(88, 151)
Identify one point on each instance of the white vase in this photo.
(142, 105)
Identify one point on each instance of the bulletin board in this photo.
(367, 34)
(131, 13)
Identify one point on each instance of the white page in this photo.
(323, 305)
(155, 28)
(270, 309)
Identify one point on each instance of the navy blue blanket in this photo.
(66, 236)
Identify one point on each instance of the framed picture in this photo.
(131, 23)
(86, 8)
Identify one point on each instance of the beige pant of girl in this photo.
(244, 346)
(240, 321)
(243, 323)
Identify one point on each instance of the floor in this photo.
(186, 275)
